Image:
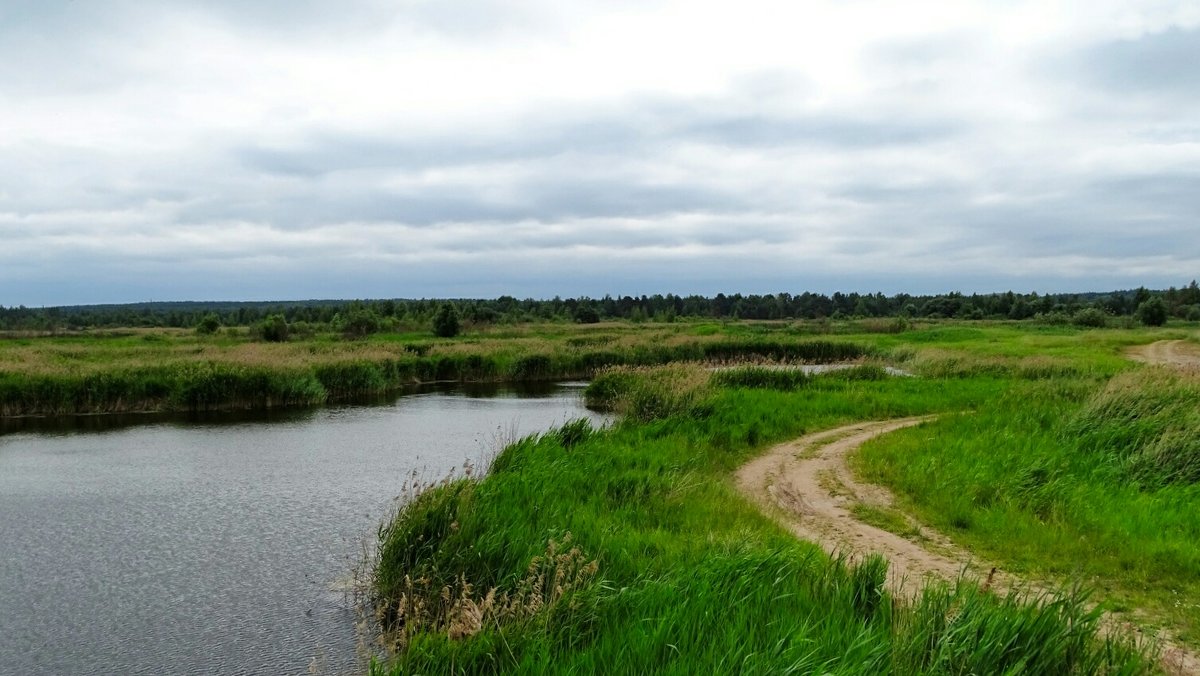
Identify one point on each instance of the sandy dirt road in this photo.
(1177, 353)
(808, 487)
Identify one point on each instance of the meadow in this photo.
(1054, 456)
(630, 549)
(179, 370)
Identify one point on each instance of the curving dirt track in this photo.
(1176, 353)
(808, 487)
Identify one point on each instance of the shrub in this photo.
(1090, 317)
(445, 322)
(274, 329)
(360, 322)
(1153, 312)
(208, 325)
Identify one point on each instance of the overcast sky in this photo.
(286, 149)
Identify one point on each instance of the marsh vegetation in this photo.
(583, 549)
(1068, 470)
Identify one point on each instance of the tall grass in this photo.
(182, 372)
(1146, 424)
(688, 577)
(1073, 477)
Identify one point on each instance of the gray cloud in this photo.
(136, 164)
(1155, 62)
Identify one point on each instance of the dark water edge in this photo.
(221, 543)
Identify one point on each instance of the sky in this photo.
(292, 149)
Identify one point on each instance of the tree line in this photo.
(360, 317)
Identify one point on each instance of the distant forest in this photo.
(400, 314)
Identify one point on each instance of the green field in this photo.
(1074, 466)
(175, 370)
(629, 550)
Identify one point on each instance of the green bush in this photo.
(274, 329)
(445, 322)
(1090, 317)
(208, 325)
(1153, 312)
(359, 322)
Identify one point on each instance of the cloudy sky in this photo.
(285, 149)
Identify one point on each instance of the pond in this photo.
(220, 544)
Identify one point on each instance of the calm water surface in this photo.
(219, 546)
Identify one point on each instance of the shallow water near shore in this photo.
(218, 544)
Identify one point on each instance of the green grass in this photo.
(1072, 478)
(173, 370)
(884, 518)
(1072, 464)
(689, 577)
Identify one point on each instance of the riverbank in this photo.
(671, 569)
(178, 371)
(685, 575)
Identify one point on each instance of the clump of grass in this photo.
(966, 629)
(1144, 423)
(935, 363)
(424, 606)
(884, 518)
(644, 394)
(783, 350)
(762, 378)
(786, 379)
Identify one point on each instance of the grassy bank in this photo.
(669, 570)
(1070, 478)
(161, 371)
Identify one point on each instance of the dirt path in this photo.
(1177, 353)
(808, 487)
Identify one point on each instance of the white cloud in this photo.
(583, 147)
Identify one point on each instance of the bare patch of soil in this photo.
(807, 486)
(1176, 353)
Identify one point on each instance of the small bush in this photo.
(359, 322)
(208, 325)
(273, 329)
(587, 315)
(1153, 312)
(1090, 317)
(445, 322)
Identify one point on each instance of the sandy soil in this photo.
(1177, 353)
(808, 487)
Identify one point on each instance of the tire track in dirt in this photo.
(807, 486)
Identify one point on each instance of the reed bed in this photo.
(155, 372)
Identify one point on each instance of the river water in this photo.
(219, 545)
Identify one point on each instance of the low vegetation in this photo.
(1088, 473)
(628, 549)
(668, 569)
(163, 371)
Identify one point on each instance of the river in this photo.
(219, 545)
